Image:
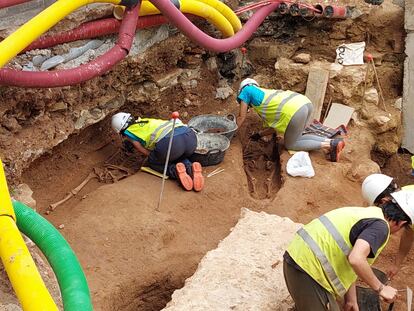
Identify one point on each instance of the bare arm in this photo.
(358, 260)
(139, 147)
(406, 242)
(242, 114)
(351, 303)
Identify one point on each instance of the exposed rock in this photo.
(398, 103)
(371, 96)
(169, 79)
(59, 106)
(224, 92)
(211, 64)
(11, 124)
(381, 120)
(24, 194)
(262, 50)
(244, 272)
(361, 169)
(303, 58)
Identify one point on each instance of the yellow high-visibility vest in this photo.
(152, 131)
(321, 248)
(278, 108)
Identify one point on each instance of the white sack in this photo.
(300, 165)
(350, 54)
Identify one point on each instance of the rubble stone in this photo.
(303, 58)
(245, 272)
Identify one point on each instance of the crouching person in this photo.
(151, 137)
(326, 256)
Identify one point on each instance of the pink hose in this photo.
(178, 19)
(92, 30)
(82, 73)
(7, 3)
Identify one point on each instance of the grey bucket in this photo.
(210, 149)
(368, 299)
(214, 124)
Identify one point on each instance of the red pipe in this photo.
(333, 11)
(177, 18)
(7, 3)
(91, 30)
(82, 73)
(283, 8)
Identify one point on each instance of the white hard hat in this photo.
(119, 121)
(373, 185)
(405, 199)
(246, 82)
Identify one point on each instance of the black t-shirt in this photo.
(372, 230)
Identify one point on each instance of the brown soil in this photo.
(133, 256)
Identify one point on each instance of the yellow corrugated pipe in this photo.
(33, 29)
(226, 11)
(20, 267)
(197, 8)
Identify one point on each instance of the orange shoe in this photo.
(198, 178)
(337, 145)
(183, 177)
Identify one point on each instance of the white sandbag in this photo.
(350, 54)
(300, 165)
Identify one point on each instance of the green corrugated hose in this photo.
(72, 281)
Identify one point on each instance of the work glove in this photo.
(255, 136)
(127, 146)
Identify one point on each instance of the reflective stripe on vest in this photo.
(279, 109)
(266, 103)
(165, 129)
(321, 256)
(329, 270)
(153, 130)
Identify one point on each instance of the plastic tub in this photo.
(214, 124)
(211, 149)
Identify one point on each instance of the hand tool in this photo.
(174, 117)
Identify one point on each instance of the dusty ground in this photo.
(133, 256)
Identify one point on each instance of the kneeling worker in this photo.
(287, 113)
(326, 256)
(151, 137)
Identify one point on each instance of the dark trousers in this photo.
(307, 294)
(183, 146)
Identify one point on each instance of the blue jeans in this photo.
(183, 146)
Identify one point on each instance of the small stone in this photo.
(59, 106)
(371, 96)
(11, 124)
(224, 92)
(398, 103)
(184, 114)
(211, 64)
(381, 120)
(62, 226)
(187, 102)
(303, 58)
